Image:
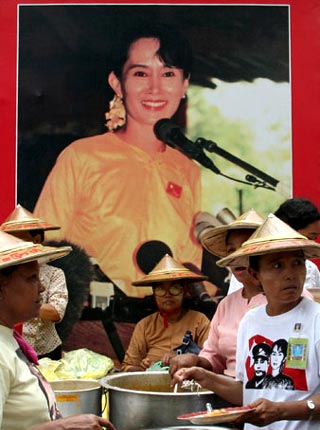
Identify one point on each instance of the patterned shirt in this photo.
(42, 335)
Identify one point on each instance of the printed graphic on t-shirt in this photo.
(266, 366)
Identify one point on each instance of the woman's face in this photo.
(151, 91)
(169, 303)
(277, 358)
(234, 241)
(282, 276)
(20, 292)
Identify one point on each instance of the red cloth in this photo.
(27, 349)
(18, 327)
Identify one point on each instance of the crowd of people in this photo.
(282, 334)
(265, 335)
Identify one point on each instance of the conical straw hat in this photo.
(214, 239)
(14, 251)
(21, 219)
(272, 236)
(168, 269)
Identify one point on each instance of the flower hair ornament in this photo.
(116, 116)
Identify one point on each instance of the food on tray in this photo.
(215, 412)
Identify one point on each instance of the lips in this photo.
(154, 104)
(292, 288)
(239, 269)
(169, 302)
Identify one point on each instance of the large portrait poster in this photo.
(254, 95)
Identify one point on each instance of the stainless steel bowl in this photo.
(140, 400)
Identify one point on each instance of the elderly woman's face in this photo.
(20, 292)
(282, 276)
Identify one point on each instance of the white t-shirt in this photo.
(278, 382)
(312, 278)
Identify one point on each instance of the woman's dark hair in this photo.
(281, 345)
(298, 213)
(254, 262)
(174, 49)
(34, 233)
(7, 271)
(255, 259)
(231, 230)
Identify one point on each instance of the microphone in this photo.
(171, 134)
(149, 253)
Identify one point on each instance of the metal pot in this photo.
(140, 400)
(191, 428)
(77, 396)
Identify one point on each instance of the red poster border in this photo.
(305, 78)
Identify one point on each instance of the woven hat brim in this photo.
(16, 226)
(178, 275)
(33, 252)
(240, 257)
(214, 239)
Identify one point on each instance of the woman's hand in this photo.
(182, 360)
(197, 374)
(77, 422)
(265, 412)
(145, 363)
(166, 359)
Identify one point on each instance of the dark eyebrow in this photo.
(143, 66)
(134, 66)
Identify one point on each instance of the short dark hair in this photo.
(174, 50)
(298, 213)
(34, 233)
(256, 350)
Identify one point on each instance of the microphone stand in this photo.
(252, 179)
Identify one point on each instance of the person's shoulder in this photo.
(235, 296)
(90, 143)
(197, 315)
(7, 344)
(49, 269)
(312, 268)
(147, 320)
(310, 305)
(310, 264)
(255, 313)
